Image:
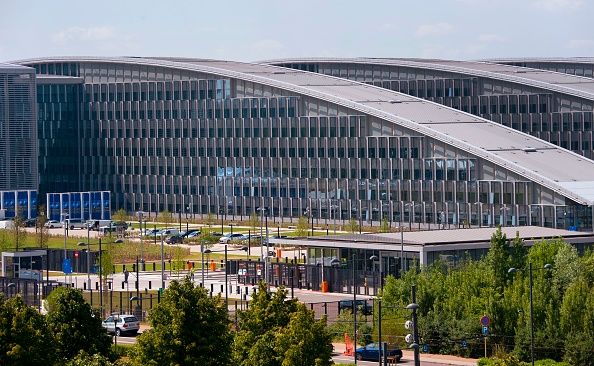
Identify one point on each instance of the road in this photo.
(340, 358)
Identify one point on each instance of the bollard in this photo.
(136, 285)
(154, 266)
(85, 286)
(211, 289)
(97, 286)
(123, 284)
(150, 285)
(222, 289)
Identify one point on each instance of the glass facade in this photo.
(79, 205)
(18, 133)
(163, 138)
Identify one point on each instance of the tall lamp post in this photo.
(65, 219)
(547, 267)
(336, 262)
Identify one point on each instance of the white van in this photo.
(97, 224)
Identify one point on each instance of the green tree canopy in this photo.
(302, 226)
(74, 325)
(24, 339)
(275, 331)
(187, 328)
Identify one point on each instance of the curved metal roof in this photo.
(565, 172)
(570, 60)
(577, 86)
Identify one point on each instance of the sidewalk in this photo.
(426, 357)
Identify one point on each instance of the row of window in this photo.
(281, 107)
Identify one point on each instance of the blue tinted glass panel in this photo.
(106, 206)
(86, 206)
(8, 199)
(75, 206)
(23, 203)
(96, 205)
(65, 205)
(54, 206)
(33, 198)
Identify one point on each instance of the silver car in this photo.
(121, 324)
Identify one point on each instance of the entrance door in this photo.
(16, 270)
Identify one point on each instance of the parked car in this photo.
(121, 324)
(168, 232)
(76, 224)
(364, 306)
(151, 232)
(30, 223)
(53, 224)
(371, 352)
(231, 237)
(175, 239)
(194, 234)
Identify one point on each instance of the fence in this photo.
(31, 291)
(307, 276)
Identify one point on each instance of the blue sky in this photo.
(263, 29)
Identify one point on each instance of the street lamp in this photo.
(88, 250)
(65, 223)
(262, 211)
(503, 210)
(333, 209)
(11, 286)
(187, 220)
(336, 262)
(547, 267)
(413, 306)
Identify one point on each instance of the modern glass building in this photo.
(228, 137)
(18, 141)
(554, 107)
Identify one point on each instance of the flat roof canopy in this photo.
(436, 239)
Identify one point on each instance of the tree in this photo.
(275, 331)
(74, 325)
(209, 219)
(498, 258)
(254, 220)
(187, 328)
(385, 227)
(41, 231)
(302, 226)
(304, 341)
(18, 228)
(352, 225)
(267, 312)
(166, 217)
(84, 359)
(24, 339)
(120, 215)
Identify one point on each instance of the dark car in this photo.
(363, 306)
(30, 223)
(175, 239)
(371, 352)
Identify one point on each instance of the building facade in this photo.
(554, 107)
(229, 138)
(18, 141)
